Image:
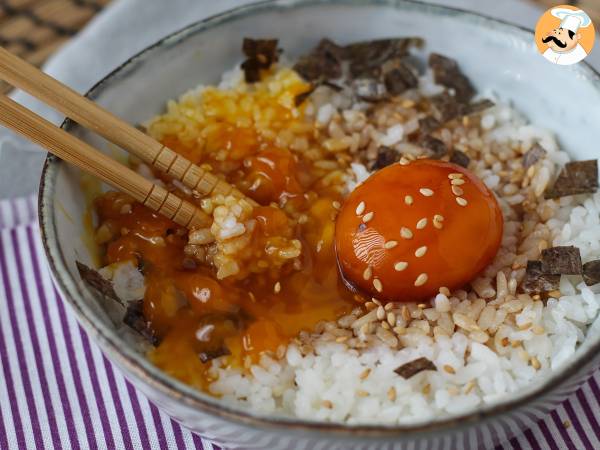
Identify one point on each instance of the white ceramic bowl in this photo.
(495, 55)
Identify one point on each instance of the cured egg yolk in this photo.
(410, 229)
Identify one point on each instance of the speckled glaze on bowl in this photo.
(495, 55)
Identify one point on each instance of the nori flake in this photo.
(399, 79)
(536, 282)
(260, 54)
(565, 260)
(591, 272)
(324, 62)
(97, 281)
(134, 318)
(533, 155)
(577, 177)
(479, 106)
(428, 124)
(436, 148)
(447, 73)
(460, 158)
(412, 368)
(445, 108)
(385, 157)
(368, 57)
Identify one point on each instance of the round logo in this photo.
(564, 35)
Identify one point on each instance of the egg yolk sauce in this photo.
(411, 229)
(261, 142)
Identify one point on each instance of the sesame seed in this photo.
(400, 266)
(469, 387)
(457, 181)
(408, 199)
(455, 175)
(438, 218)
(377, 302)
(341, 339)
(406, 233)
(360, 208)
(391, 394)
(437, 224)
(385, 325)
(421, 306)
(336, 204)
(365, 373)
(388, 306)
(362, 393)
(444, 290)
(377, 285)
(461, 201)
(457, 190)
(404, 162)
(368, 273)
(426, 389)
(327, 404)
(449, 369)
(535, 363)
(426, 192)
(405, 313)
(421, 251)
(277, 287)
(390, 244)
(421, 280)
(368, 216)
(391, 319)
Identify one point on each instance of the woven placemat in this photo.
(34, 29)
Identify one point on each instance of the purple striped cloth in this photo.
(57, 390)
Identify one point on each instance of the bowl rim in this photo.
(139, 367)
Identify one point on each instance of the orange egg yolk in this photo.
(410, 229)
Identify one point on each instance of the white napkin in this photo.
(127, 26)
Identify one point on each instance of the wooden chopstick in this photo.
(84, 156)
(23, 75)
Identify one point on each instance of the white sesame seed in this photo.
(336, 204)
(455, 175)
(404, 162)
(422, 223)
(377, 285)
(380, 312)
(390, 244)
(368, 216)
(360, 208)
(277, 287)
(406, 233)
(368, 273)
(426, 192)
(391, 319)
(408, 199)
(457, 181)
(421, 280)
(438, 218)
(457, 191)
(421, 251)
(461, 201)
(400, 266)
(438, 225)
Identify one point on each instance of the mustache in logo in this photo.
(555, 40)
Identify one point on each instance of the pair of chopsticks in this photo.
(88, 114)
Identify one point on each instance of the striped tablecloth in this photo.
(57, 390)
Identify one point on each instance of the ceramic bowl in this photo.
(495, 55)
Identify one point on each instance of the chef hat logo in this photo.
(565, 35)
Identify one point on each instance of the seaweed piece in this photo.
(591, 272)
(577, 177)
(385, 157)
(260, 54)
(412, 368)
(209, 355)
(368, 57)
(536, 281)
(445, 108)
(369, 90)
(399, 79)
(428, 124)
(300, 98)
(436, 148)
(324, 62)
(97, 281)
(134, 318)
(564, 260)
(479, 106)
(533, 155)
(447, 73)
(460, 158)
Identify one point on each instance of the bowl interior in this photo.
(497, 57)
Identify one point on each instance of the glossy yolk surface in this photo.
(410, 229)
